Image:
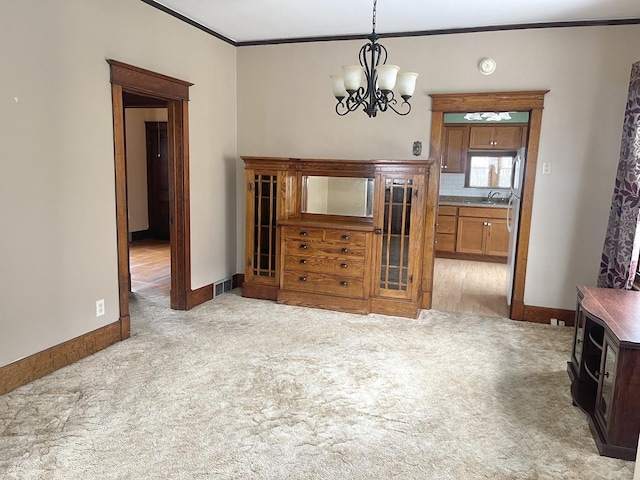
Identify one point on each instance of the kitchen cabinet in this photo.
(482, 231)
(456, 144)
(604, 367)
(495, 137)
(446, 228)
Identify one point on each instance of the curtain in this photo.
(622, 241)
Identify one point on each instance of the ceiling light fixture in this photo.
(380, 79)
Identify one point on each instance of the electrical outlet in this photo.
(100, 307)
(561, 323)
(553, 321)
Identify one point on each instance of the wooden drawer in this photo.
(340, 236)
(332, 266)
(332, 250)
(482, 212)
(445, 242)
(447, 210)
(310, 282)
(446, 224)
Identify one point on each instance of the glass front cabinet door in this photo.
(607, 379)
(398, 226)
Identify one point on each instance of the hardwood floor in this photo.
(465, 286)
(150, 266)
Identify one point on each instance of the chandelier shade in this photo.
(370, 85)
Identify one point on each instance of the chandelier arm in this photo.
(401, 105)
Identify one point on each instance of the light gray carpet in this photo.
(249, 389)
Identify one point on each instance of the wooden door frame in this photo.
(521, 101)
(127, 78)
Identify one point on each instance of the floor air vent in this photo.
(221, 287)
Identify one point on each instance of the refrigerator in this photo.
(513, 216)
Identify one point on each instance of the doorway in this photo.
(128, 80)
(528, 101)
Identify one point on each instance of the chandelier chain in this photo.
(374, 16)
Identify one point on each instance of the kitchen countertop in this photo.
(473, 201)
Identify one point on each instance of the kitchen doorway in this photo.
(531, 102)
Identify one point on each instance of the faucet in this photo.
(493, 194)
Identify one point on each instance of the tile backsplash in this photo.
(452, 184)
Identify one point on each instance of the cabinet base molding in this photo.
(349, 305)
(255, 290)
(396, 308)
(47, 361)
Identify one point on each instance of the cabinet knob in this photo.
(345, 237)
(345, 250)
(303, 260)
(579, 341)
(304, 246)
(377, 231)
(344, 265)
(303, 279)
(303, 234)
(488, 224)
(344, 283)
(606, 374)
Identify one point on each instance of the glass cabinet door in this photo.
(607, 379)
(396, 224)
(263, 205)
(578, 338)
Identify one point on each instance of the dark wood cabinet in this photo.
(456, 144)
(482, 231)
(446, 228)
(498, 137)
(604, 367)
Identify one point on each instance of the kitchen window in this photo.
(489, 170)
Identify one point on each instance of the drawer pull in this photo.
(303, 234)
(345, 237)
(344, 283)
(344, 265)
(303, 260)
(304, 246)
(303, 279)
(345, 250)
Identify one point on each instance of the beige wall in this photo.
(57, 198)
(285, 107)
(136, 135)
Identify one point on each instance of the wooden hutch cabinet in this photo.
(605, 367)
(344, 235)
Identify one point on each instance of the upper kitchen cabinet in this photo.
(495, 137)
(456, 144)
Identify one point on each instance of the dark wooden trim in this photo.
(531, 101)
(47, 361)
(187, 20)
(485, 101)
(199, 296)
(545, 314)
(156, 85)
(122, 216)
(237, 280)
(446, 31)
(139, 80)
(416, 33)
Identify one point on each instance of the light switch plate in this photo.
(546, 168)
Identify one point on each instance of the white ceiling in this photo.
(257, 20)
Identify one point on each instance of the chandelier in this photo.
(379, 78)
